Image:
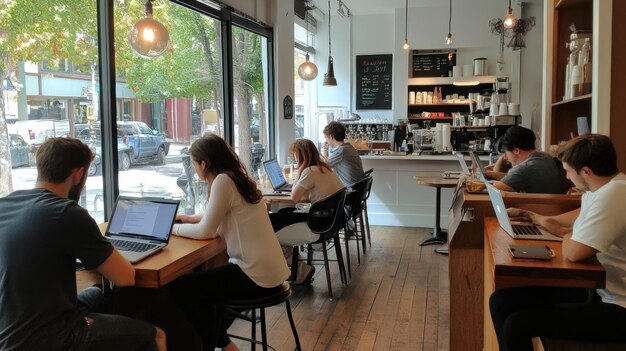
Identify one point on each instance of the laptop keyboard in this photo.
(525, 230)
(133, 246)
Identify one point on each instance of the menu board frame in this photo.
(374, 82)
(432, 63)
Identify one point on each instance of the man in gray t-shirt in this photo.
(342, 157)
(532, 171)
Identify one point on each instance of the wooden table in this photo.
(502, 271)
(466, 256)
(149, 299)
(437, 181)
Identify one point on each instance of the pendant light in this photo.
(148, 37)
(329, 77)
(405, 46)
(449, 36)
(509, 20)
(307, 70)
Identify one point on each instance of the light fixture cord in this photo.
(306, 19)
(406, 19)
(510, 9)
(450, 19)
(329, 50)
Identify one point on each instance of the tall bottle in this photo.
(584, 60)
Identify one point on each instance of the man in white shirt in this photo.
(597, 229)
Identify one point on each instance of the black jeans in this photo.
(519, 314)
(103, 331)
(200, 293)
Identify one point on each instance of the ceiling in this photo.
(370, 7)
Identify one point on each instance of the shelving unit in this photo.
(564, 112)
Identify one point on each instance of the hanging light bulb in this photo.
(329, 77)
(509, 19)
(307, 70)
(148, 37)
(405, 46)
(449, 36)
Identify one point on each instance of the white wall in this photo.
(531, 64)
(427, 29)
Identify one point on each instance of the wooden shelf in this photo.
(427, 119)
(449, 80)
(444, 104)
(573, 100)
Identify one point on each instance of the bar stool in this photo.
(261, 303)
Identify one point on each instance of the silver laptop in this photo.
(140, 227)
(276, 177)
(462, 162)
(516, 231)
(479, 164)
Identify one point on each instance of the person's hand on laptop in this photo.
(549, 223)
(183, 218)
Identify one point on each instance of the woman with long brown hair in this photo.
(234, 211)
(315, 182)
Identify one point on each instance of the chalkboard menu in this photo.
(432, 64)
(373, 82)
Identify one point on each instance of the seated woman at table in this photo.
(315, 182)
(234, 212)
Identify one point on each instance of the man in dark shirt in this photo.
(42, 233)
(532, 171)
(343, 157)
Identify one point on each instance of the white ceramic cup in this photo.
(456, 71)
(487, 121)
(513, 109)
(476, 122)
(503, 110)
(493, 109)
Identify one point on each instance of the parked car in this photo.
(20, 151)
(93, 138)
(146, 144)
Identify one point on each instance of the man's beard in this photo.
(77, 189)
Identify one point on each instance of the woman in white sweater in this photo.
(234, 212)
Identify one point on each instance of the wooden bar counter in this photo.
(466, 256)
(502, 271)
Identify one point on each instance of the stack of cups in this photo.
(445, 137)
(411, 97)
(493, 109)
(456, 71)
(513, 109)
(503, 110)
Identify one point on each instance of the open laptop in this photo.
(479, 164)
(140, 227)
(516, 231)
(276, 177)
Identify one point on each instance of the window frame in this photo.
(228, 17)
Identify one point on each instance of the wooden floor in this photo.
(397, 299)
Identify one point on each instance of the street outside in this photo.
(140, 181)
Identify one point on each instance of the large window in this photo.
(250, 97)
(305, 124)
(49, 65)
(43, 91)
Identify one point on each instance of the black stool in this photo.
(261, 303)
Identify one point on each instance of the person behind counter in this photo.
(42, 233)
(234, 212)
(597, 229)
(315, 182)
(532, 171)
(341, 156)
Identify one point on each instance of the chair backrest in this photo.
(565, 184)
(326, 215)
(369, 172)
(357, 194)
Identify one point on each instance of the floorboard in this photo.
(397, 299)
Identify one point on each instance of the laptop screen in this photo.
(148, 218)
(498, 207)
(274, 173)
(462, 162)
(479, 164)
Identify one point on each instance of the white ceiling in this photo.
(370, 7)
